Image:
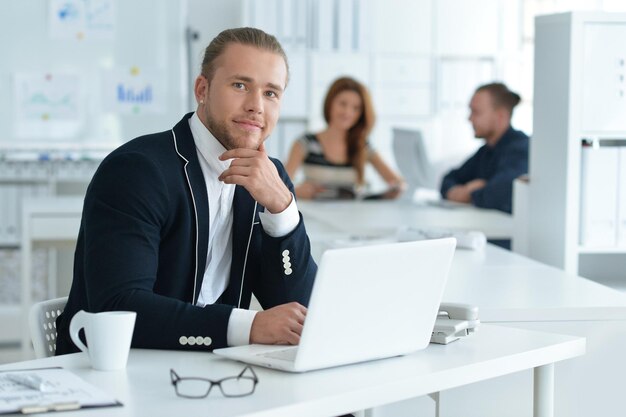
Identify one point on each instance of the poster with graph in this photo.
(134, 91)
(81, 19)
(48, 105)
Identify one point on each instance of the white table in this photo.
(386, 216)
(48, 221)
(509, 289)
(515, 291)
(145, 389)
(512, 288)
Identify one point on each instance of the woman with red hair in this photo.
(334, 159)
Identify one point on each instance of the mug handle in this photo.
(78, 322)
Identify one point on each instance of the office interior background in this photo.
(73, 91)
(79, 78)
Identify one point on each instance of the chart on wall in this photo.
(134, 91)
(79, 19)
(47, 105)
(90, 70)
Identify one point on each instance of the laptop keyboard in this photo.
(288, 354)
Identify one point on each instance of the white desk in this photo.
(516, 291)
(512, 290)
(509, 289)
(50, 221)
(387, 216)
(145, 387)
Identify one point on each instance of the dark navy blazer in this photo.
(498, 165)
(142, 247)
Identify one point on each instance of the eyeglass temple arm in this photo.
(174, 376)
(256, 378)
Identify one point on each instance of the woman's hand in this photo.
(308, 190)
(396, 188)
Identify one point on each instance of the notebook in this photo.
(367, 303)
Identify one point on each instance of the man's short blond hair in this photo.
(244, 36)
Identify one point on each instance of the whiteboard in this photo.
(118, 76)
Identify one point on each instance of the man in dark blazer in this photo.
(486, 179)
(183, 226)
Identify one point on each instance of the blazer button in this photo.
(286, 252)
(191, 341)
(182, 340)
(287, 265)
(199, 340)
(208, 341)
(288, 271)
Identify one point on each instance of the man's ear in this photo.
(503, 114)
(201, 88)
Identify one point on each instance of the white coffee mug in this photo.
(108, 335)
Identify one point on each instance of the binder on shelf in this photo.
(621, 213)
(598, 195)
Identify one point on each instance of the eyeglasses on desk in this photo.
(232, 386)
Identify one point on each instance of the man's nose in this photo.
(254, 102)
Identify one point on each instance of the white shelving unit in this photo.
(28, 173)
(579, 94)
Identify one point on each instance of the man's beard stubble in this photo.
(220, 132)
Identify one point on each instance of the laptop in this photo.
(412, 159)
(367, 303)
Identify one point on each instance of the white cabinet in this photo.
(576, 97)
(294, 103)
(604, 77)
(467, 28)
(402, 70)
(23, 178)
(402, 26)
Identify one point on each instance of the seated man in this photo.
(184, 225)
(486, 179)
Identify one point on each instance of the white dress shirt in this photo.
(219, 256)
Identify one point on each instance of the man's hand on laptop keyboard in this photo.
(280, 325)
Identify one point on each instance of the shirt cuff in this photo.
(283, 223)
(239, 326)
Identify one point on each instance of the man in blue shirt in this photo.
(486, 179)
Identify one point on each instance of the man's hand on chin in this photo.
(253, 170)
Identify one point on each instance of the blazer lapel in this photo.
(199, 202)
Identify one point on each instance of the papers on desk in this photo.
(472, 240)
(360, 240)
(63, 391)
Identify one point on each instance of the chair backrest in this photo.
(43, 326)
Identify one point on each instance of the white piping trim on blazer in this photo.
(195, 210)
(245, 259)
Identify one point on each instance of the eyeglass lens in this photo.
(193, 388)
(237, 386)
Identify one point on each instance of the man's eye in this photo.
(239, 86)
(271, 94)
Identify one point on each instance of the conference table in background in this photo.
(145, 388)
(509, 289)
(386, 216)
